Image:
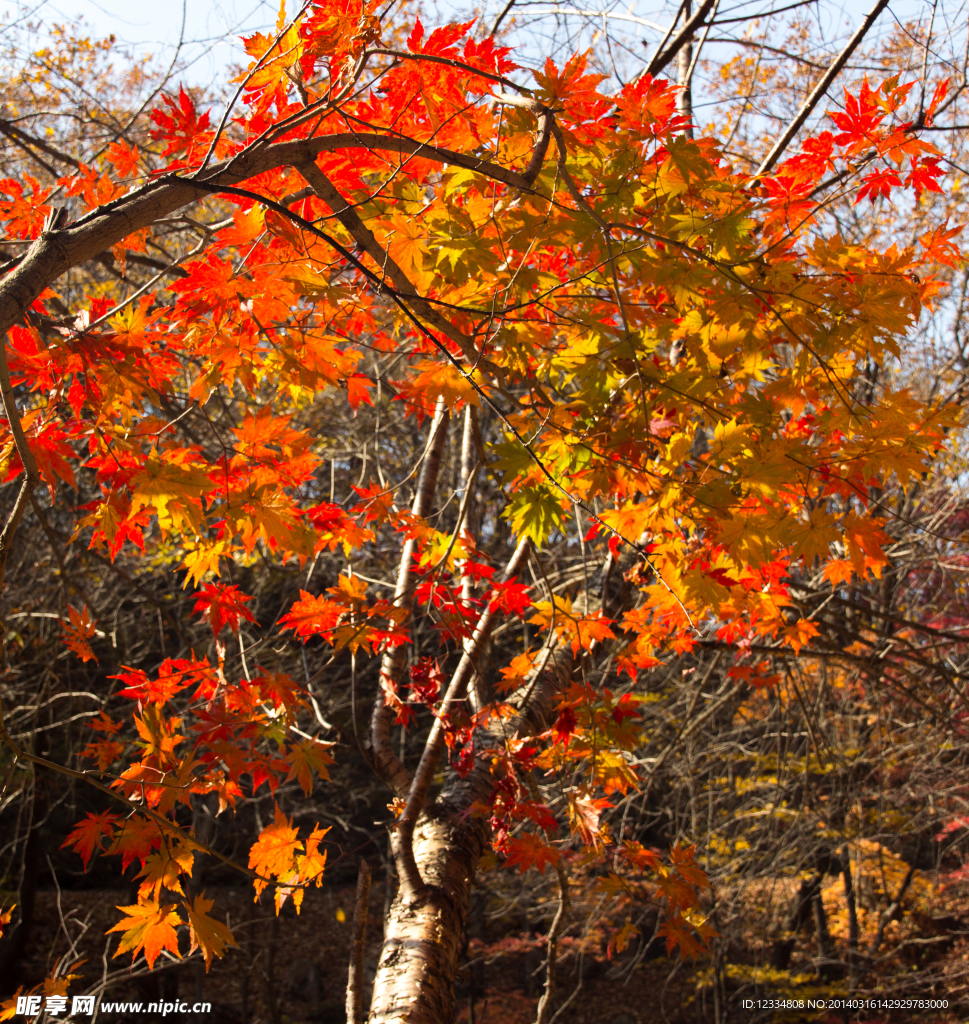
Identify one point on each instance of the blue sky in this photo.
(209, 39)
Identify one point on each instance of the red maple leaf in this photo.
(528, 851)
(924, 175)
(86, 837)
(223, 605)
(426, 678)
(878, 183)
(510, 597)
(564, 725)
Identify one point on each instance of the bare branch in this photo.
(664, 55)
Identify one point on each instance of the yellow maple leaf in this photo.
(407, 250)
(173, 489)
(202, 558)
(131, 323)
(162, 870)
(207, 934)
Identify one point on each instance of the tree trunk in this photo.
(423, 936)
(684, 62)
(14, 942)
(415, 976)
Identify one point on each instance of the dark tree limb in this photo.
(364, 237)
(820, 89)
(852, 916)
(665, 54)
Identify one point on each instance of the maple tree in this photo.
(643, 349)
(850, 791)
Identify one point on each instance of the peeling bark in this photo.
(418, 963)
(415, 976)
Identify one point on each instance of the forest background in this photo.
(816, 776)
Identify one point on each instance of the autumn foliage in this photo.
(665, 349)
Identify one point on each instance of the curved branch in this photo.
(55, 252)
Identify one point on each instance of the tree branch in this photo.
(364, 237)
(664, 55)
(820, 89)
(386, 762)
(31, 475)
(455, 692)
(55, 252)
(17, 135)
(355, 1014)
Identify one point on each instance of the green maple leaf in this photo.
(535, 512)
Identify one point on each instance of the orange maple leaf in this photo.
(311, 615)
(800, 634)
(274, 852)
(528, 851)
(938, 245)
(443, 380)
(309, 865)
(149, 926)
(838, 570)
(277, 852)
(76, 632)
(682, 859)
(124, 158)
